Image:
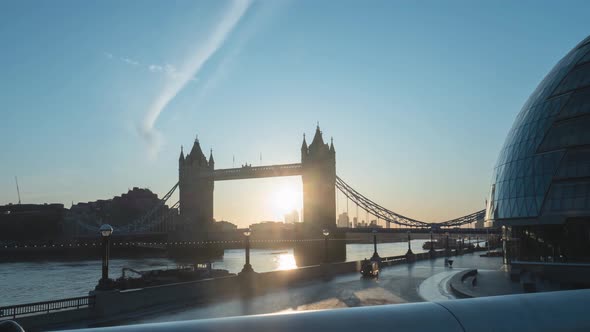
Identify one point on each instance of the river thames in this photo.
(25, 282)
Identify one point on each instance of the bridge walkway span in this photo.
(254, 172)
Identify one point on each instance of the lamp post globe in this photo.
(431, 251)
(504, 240)
(105, 230)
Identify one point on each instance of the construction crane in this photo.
(17, 189)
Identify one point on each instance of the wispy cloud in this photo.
(167, 69)
(263, 14)
(179, 78)
(124, 59)
(155, 68)
(130, 61)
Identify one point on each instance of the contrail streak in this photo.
(189, 70)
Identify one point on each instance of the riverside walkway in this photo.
(414, 282)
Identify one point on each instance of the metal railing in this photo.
(46, 306)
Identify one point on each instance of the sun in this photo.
(284, 200)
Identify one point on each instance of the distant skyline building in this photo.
(343, 220)
(362, 224)
(270, 227)
(292, 217)
(224, 226)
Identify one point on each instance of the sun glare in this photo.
(286, 262)
(285, 200)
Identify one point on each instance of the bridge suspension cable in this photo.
(396, 218)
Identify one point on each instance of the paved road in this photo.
(421, 281)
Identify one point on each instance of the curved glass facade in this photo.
(541, 183)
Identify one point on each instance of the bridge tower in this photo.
(319, 182)
(196, 190)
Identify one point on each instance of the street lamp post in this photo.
(447, 243)
(409, 244)
(477, 241)
(431, 252)
(247, 267)
(326, 233)
(375, 254)
(504, 239)
(105, 231)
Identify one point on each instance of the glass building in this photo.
(540, 192)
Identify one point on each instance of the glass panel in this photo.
(575, 164)
(579, 77)
(568, 133)
(579, 103)
(539, 200)
(571, 197)
(586, 58)
(529, 186)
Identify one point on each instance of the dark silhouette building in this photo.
(31, 223)
(120, 211)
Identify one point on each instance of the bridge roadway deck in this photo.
(417, 282)
(255, 172)
(465, 231)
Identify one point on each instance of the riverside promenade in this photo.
(424, 280)
(311, 288)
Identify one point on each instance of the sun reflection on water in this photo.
(286, 262)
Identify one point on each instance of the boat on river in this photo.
(181, 273)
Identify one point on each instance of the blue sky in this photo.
(418, 95)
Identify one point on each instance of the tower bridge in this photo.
(197, 176)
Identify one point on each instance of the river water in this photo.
(27, 282)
